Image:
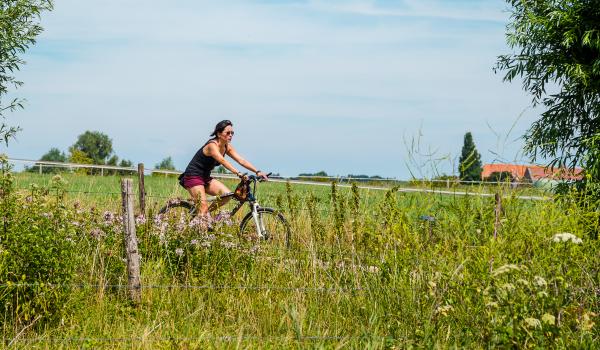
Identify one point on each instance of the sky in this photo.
(384, 88)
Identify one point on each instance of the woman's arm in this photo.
(246, 164)
(213, 150)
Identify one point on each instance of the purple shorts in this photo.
(193, 181)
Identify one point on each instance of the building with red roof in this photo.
(532, 173)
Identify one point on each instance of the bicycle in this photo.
(260, 223)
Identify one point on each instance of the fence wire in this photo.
(222, 338)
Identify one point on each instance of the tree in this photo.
(557, 44)
(165, 164)
(79, 157)
(53, 155)
(95, 145)
(469, 163)
(18, 29)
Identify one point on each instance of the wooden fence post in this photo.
(498, 212)
(131, 244)
(142, 188)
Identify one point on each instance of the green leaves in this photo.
(557, 45)
(18, 29)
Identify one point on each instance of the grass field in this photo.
(364, 271)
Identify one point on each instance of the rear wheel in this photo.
(178, 210)
(276, 229)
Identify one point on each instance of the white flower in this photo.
(539, 281)
(179, 252)
(566, 237)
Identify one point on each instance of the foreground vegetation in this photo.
(366, 269)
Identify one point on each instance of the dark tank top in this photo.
(202, 165)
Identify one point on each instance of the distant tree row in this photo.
(91, 147)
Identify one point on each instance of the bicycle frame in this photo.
(252, 202)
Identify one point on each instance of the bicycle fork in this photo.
(258, 221)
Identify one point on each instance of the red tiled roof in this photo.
(517, 171)
(532, 172)
(535, 173)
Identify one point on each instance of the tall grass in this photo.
(365, 270)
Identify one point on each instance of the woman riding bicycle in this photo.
(196, 177)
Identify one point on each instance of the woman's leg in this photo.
(198, 194)
(217, 188)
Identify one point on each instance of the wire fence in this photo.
(210, 338)
(41, 165)
(342, 182)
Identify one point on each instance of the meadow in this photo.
(366, 269)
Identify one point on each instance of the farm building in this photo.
(531, 173)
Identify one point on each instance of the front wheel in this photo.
(274, 227)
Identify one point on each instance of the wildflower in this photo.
(505, 269)
(211, 237)
(586, 322)
(224, 217)
(478, 231)
(182, 223)
(566, 237)
(58, 181)
(97, 233)
(47, 215)
(228, 245)
(108, 217)
(194, 242)
(254, 249)
(205, 244)
(539, 281)
(548, 319)
(140, 219)
(444, 310)
(194, 222)
(532, 322)
(179, 252)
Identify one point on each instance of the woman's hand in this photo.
(261, 174)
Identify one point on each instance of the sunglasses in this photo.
(227, 133)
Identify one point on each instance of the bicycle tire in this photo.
(278, 229)
(187, 206)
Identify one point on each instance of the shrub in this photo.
(37, 248)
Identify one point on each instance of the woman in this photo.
(196, 177)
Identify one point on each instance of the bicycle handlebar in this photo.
(257, 178)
